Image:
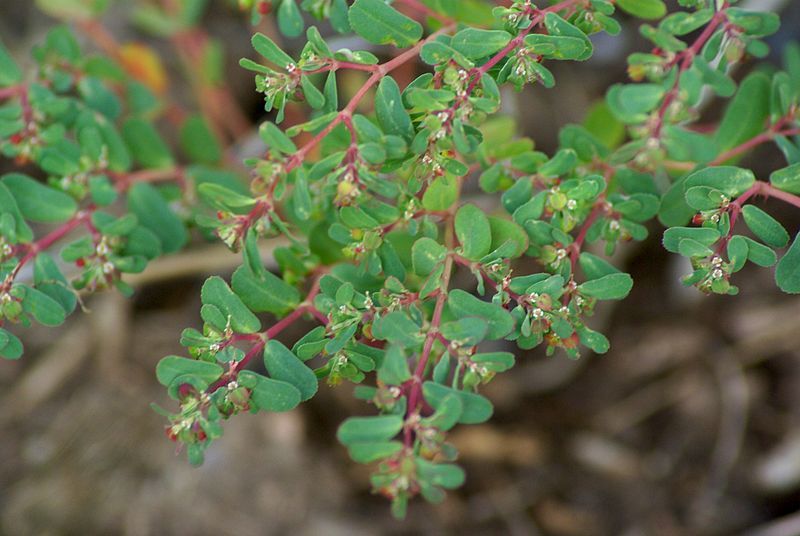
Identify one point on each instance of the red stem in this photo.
(33, 249)
(685, 58)
(433, 332)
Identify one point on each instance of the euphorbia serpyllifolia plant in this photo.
(371, 204)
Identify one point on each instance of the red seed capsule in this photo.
(264, 7)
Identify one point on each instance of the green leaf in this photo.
(217, 293)
(787, 273)
(269, 394)
(392, 116)
(172, 367)
(447, 413)
(369, 429)
(703, 235)
(441, 193)
(267, 48)
(745, 115)
(760, 254)
(146, 145)
(275, 138)
(381, 24)
(290, 20)
(476, 408)
(765, 227)
(446, 475)
(787, 179)
(38, 202)
(473, 231)
(368, 452)
(154, 214)
(474, 43)
(265, 292)
(463, 304)
(508, 238)
(283, 365)
(394, 369)
(426, 253)
(9, 209)
(755, 23)
(556, 47)
(644, 9)
(10, 72)
(314, 96)
(42, 307)
(396, 327)
(608, 287)
(595, 267)
(730, 180)
(10, 345)
(557, 26)
(198, 142)
(49, 279)
(467, 331)
(595, 341)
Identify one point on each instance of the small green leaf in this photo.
(381, 24)
(172, 367)
(473, 231)
(703, 235)
(369, 429)
(595, 341)
(765, 226)
(557, 26)
(595, 267)
(265, 292)
(608, 287)
(267, 48)
(314, 96)
(730, 180)
(42, 307)
(146, 145)
(198, 142)
(745, 115)
(787, 273)
(10, 72)
(398, 328)
(476, 408)
(463, 304)
(447, 413)
(475, 43)
(426, 254)
(290, 20)
(368, 452)
(441, 193)
(154, 214)
(787, 179)
(38, 202)
(283, 365)
(445, 475)
(269, 394)
(394, 369)
(759, 254)
(10, 345)
(217, 293)
(644, 9)
(392, 116)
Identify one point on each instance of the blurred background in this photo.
(690, 425)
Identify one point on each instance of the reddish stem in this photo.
(685, 58)
(433, 332)
(33, 249)
(576, 246)
(306, 307)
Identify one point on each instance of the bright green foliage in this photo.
(372, 208)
